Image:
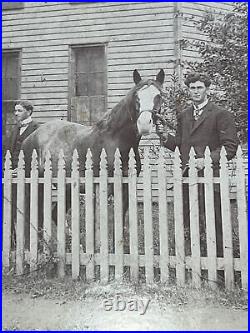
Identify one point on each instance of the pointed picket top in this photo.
(132, 161)
(47, 163)
(89, 160)
(208, 161)
(21, 163)
(34, 161)
(192, 168)
(7, 162)
(103, 161)
(208, 155)
(223, 158)
(239, 153)
(61, 160)
(75, 161)
(240, 168)
(177, 162)
(177, 157)
(117, 162)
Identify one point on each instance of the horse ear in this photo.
(136, 76)
(160, 76)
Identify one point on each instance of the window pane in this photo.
(96, 84)
(10, 88)
(81, 56)
(10, 93)
(10, 78)
(97, 59)
(8, 122)
(81, 84)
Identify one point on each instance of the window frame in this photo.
(4, 125)
(72, 68)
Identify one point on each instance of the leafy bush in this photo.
(224, 57)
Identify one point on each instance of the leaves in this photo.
(225, 60)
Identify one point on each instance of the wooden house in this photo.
(75, 60)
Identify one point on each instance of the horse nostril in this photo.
(150, 121)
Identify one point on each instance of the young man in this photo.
(200, 125)
(24, 127)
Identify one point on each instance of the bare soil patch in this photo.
(52, 304)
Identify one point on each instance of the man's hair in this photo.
(26, 104)
(193, 77)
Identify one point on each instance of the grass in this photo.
(69, 290)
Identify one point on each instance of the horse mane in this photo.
(111, 118)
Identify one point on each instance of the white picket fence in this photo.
(149, 243)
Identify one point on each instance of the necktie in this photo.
(196, 113)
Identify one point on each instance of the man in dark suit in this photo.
(199, 125)
(24, 127)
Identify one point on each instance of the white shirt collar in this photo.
(201, 106)
(26, 121)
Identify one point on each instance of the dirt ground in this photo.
(79, 308)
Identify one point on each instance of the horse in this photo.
(121, 128)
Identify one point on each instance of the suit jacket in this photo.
(215, 128)
(16, 140)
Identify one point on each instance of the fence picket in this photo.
(226, 222)
(178, 218)
(20, 215)
(152, 180)
(104, 269)
(89, 209)
(163, 217)
(118, 215)
(194, 220)
(61, 214)
(242, 218)
(133, 225)
(47, 231)
(7, 201)
(34, 212)
(75, 216)
(148, 221)
(210, 219)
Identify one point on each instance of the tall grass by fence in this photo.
(151, 243)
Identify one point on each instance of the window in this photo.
(12, 5)
(89, 83)
(10, 90)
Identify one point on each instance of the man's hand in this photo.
(160, 125)
(199, 163)
(159, 128)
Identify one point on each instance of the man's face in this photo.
(21, 113)
(198, 92)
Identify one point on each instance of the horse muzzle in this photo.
(145, 123)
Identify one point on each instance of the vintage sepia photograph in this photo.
(124, 166)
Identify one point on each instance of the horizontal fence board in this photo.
(139, 234)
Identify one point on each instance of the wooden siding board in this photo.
(91, 31)
(138, 35)
(99, 9)
(84, 20)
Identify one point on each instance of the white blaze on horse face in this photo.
(146, 97)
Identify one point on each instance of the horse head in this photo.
(148, 101)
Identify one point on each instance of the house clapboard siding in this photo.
(138, 35)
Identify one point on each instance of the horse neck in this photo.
(119, 119)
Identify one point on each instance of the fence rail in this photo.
(152, 243)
